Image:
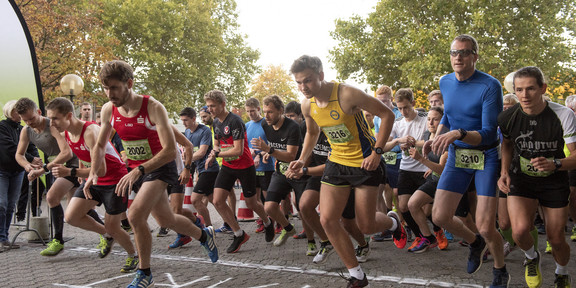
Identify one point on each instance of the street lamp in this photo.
(71, 85)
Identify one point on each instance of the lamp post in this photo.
(71, 85)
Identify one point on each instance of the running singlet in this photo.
(541, 135)
(350, 136)
(115, 168)
(48, 144)
(139, 136)
(232, 128)
(288, 134)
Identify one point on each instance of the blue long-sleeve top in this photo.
(473, 105)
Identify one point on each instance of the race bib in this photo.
(86, 164)
(282, 167)
(51, 158)
(226, 147)
(260, 173)
(390, 158)
(470, 159)
(338, 133)
(137, 150)
(527, 168)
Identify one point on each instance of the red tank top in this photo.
(115, 168)
(139, 136)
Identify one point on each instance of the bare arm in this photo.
(21, 151)
(507, 152)
(312, 133)
(65, 151)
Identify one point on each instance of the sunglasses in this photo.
(463, 52)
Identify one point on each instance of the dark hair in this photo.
(306, 62)
(532, 72)
(438, 109)
(24, 105)
(61, 105)
(274, 100)
(216, 96)
(253, 102)
(293, 107)
(468, 38)
(404, 94)
(188, 111)
(117, 70)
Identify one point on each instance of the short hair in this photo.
(570, 101)
(468, 38)
(253, 102)
(61, 105)
(434, 93)
(8, 108)
(216, 96)
(510, 99)
(531, 72)
(274, 100)
(293, 107)
(384, 89)
(437, 109)
(23, 105)
(306, 62)
(117, 70)
(404, 94)
(188, 111)
(86, 103)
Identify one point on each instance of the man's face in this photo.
(59, 121)
(460, 63)
(206, 118)
(86, 111)
(32, 118)
(271, 114)
(294, 116)
(436, 101)
(529, 93)
(369, 119)
(215, 108)
(386, 99)
(253, 113)
(187, 121)
(406, 108)
(309, 82)
(117, 91)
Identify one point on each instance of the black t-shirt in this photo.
(321, 150)
(288, 134)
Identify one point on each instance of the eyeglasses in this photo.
(463, 52)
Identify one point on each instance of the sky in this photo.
(284, 30)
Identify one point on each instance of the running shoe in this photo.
(54, 247)
(475, 256)
(415, 243)
(326, 249)
(199, 222)
(210, 244)
(508, 248)
(399, 234)
(105, 246)
(237, 242)
(259, 226)
(278, 229)
(442, 240)
(541, 228)
(301, 235)
(141, 280)
(162, 232)
(130, 265)
(281, 239)
(500, 279)
(422, 246)
(562, 281)
(355, 283)
(532, 271)
(180, 241)
(224, 229)
(362, 253)
(311, 251)
(573, 236)
(409, 235)
(449, 236)
(270, 233)
(382, 236)
(548, 248)
(127, 228)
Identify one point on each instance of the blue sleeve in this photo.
(376, 121)
(206, 137)
(491, 108)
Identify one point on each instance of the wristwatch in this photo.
(141, 168)
(558, 164)
(305, 171)
(73, 172)
(46, 168)
(378, 150)
(216, 153)
(271, 151)
(463, 134)
(189, 167)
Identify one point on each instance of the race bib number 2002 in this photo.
(137, 150)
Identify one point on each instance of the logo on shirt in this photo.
(335, 115)
(118, 119)
(226, 130)
(140, 120)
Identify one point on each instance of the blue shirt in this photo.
(202, 136)
(397, 115)
(473, 105)
(255, 130)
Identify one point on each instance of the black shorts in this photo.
(176, 189)
(263, 179)
(382, 168)
(463, 206)
(392, 174)
(429, 186)
(228, 176)
(280, 187)
(409, 182)
(349, 210)
(549, 192)
(104, 194)
(205, 183)
(572, 178)
(167, 173)
(74, 180)
(314, 183)
(340, 175)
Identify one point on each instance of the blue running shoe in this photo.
(501, 279)
(224, 229)
(475, 257)
(180, 241)
(141, 280)
(210, 244)
(199, 223)
(449, 236)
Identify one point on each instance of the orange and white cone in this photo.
(244, 214)
(187, 196)
(131, 198)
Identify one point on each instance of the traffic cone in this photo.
(244, 214)
(131, 198)
(187, 196)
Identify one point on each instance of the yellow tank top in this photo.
(350, 136)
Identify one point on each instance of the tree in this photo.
(274, 81)
(405, 43)
(181, 49)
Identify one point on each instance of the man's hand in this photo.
(415, 154)
(441, 142)
(543, 164)
(259, 144)
(59, 170)
(504, 183)
(184, 176)
(35, 173)
(125, 184)
(91, 180)
(371, 162)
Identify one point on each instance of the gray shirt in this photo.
(48, 144)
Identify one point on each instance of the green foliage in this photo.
(274, 81)
(406, 43)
